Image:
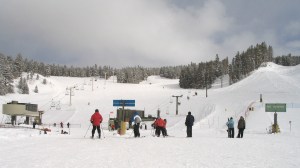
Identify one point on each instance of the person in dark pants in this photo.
(160, 123)
(68, 125)
(189, 122)
(34, 123)
(136, 128)
(241, 126)
(165, 133)
(228, 133)
(230, 125)
(96, 120)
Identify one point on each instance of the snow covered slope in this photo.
(209, 146)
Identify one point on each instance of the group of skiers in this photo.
(159, 125)
(241, 126)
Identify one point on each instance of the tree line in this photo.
(12, 68)
(194, 75)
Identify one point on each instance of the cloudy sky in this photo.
(149, 33)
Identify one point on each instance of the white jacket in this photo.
(137, 119)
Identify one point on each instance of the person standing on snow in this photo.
(230, 125)
(136, 119)
(241, 126)
(160, 123)
(165, 128)
(96, 120)
(189, 122)
(154, 125)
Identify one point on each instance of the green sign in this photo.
(275, 107)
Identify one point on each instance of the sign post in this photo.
(123, 103)
(275, 107)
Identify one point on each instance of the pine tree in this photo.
(18, 66)
(44, 81)
(36, 90)
(25, 87)
(6, 72)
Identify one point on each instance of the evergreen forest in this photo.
(195, 75)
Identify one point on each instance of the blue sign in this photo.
(124, 103)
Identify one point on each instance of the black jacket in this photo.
(189, 121)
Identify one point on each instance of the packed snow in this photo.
(208, 148)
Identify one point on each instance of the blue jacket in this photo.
(230, 123)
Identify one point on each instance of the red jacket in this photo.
(96, 119)
(160, 122)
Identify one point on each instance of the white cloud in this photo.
(118, 33)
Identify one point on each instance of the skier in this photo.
(189, 122)
(136, 119)
(228, 129)
(154, 125)
(160, 123)
(230, 125)
(61, 125)
(68, 125)
(96, 120)
(164, 132)
(241, 126)
(34, 123)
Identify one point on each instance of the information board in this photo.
(275, 107)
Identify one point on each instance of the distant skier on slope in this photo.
(136, 119)
(230, 125)
(96, 120)
(241, 126)
(228, 129)
(189, 122)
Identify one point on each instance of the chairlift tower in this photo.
(177, 103)
(71, 93)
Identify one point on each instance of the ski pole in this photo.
(87, 130)
(151, 131)
(102, 130)
(131, 133)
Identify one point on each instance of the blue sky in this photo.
(142, 32)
